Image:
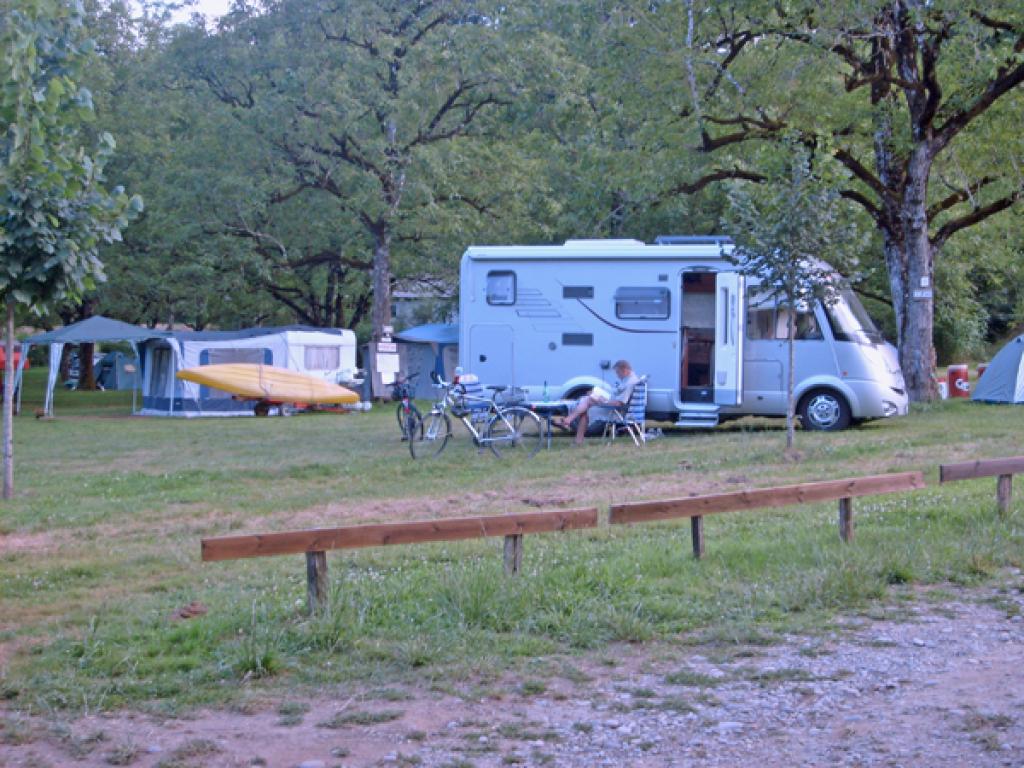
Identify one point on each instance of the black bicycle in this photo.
(410, 420)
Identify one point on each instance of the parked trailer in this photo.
(553, 319)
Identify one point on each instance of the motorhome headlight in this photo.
(889, 409)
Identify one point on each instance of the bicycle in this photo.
(410, 420)
(490, 424)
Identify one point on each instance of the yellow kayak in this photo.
(265, 382)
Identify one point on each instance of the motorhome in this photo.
(553, 320)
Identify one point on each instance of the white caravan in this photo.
(553, 319)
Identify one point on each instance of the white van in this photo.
(553, 319)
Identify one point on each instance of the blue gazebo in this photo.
(94, 329)
(434, 346)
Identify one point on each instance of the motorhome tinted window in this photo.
(849, 320)
(501, 287)
(577, 292)
(643, 303)
(772, 323)
(577, 339)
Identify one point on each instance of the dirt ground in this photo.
(935, 681)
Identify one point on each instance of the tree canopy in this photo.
(300, 158)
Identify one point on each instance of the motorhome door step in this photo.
(702, 417)
(710, 423)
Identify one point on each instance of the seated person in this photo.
(597, 396)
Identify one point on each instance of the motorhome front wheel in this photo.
(824, 410)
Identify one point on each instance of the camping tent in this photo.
(94, 329)
(1003, 380)
(116, 370)
(426, 348)
(328, 353)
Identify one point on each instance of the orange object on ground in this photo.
(959, 384)
(17, 355)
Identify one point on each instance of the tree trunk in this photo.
(331, 296)
(86, 370)
(903, 222)
(917, 350)
(64, 371)
(8, 404)
(381, 313)
(617, 215)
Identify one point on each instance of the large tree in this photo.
(906, 96)
(54, 209)
(372, 105)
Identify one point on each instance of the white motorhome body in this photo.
(553, 319)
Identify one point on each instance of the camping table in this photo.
(546, 409)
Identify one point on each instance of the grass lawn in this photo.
(101, 546)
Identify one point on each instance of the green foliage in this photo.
(786, 228)
(54, 210)
(606, 119)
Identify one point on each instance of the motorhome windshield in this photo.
(850, 321)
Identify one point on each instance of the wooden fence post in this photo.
(846, 519)
(513, 553)
(316, 581)
(697, 535)
(1004, 493)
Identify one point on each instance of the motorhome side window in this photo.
(765, 321)
(643, 303)
(501, 288)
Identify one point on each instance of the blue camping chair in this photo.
(630, 417)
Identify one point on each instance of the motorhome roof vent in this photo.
(693, 240)
(600, 243)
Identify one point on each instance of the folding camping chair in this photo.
(631, 416)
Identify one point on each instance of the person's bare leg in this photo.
(581, 408)
(581, 428)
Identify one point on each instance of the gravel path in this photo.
(934, 681)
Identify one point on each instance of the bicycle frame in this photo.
(446, 403)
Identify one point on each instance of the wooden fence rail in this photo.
(1002, 469)
(695, 507)
(315, 543)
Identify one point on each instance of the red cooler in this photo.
(959, 385)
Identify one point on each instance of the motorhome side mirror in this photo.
(483, 358)
(606, 364)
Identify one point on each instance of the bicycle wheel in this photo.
(515, 429)
(403, 420)
(432, 437)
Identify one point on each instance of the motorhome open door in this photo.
(729, 324)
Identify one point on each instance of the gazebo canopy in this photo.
(94, 329)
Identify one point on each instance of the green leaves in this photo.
(54, 211)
